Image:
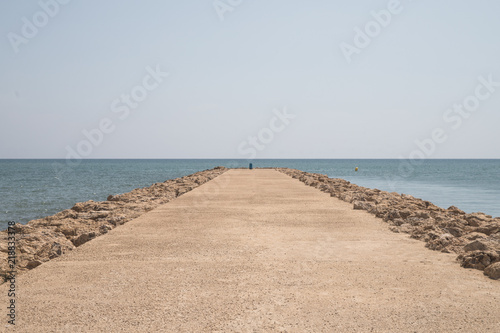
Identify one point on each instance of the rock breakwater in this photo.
(43, 239)
(474, 237)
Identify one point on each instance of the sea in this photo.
(32, 189)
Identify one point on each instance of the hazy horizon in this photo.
(240, 80)
(242, 159)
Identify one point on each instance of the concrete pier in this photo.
(254, 251)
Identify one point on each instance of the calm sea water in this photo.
(31, 189)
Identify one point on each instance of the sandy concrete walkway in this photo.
(255, 251)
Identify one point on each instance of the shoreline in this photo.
(43, 239)
(474, 237)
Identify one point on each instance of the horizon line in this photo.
(245, 159)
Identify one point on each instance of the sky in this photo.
(249, 79)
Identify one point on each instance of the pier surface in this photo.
(254, 251)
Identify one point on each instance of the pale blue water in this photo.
(31, 189)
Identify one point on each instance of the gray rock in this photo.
(476, 245)
(363, 205)
(455, 210)
(83, 238)
(475, 235)
(33, 263)
(454, 231)
(489, 229)
(493, 271)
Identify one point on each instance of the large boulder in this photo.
(493, 271)
(83, 238)
(478, 259)
(455, 211)
(475, 235)
(364, 205)
(489, 229)
(476, 245)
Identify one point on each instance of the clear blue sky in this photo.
(227, 76)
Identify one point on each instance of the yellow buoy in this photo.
(356, 169)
